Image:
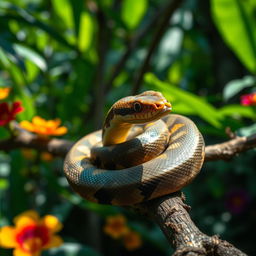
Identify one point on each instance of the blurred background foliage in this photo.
(72, 59)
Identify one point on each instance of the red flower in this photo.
(8, 113)
(248, 99)
(31, 234)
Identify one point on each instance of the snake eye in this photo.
(137, 107)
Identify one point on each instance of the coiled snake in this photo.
(162, 159)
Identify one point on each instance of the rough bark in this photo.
(173, 217)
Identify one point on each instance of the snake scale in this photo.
(147, 153)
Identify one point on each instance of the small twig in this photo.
(230, 133)
(161, 27)
(229, 149)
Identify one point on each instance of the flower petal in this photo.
(61, 130)
(52, 223)
(37, 120)
(53, 123)
(27, 125)
(16, 108)
(4, 92)
(55, 241)
(7, 237)
(20, 252)
(26, 218)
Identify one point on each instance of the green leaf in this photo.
(237, 111)
(63, 10)
(28, 104)
(3, 184)
(32, 71)
(31, 55)
(85, 32)
(235, 86)
(192, 104)
(236, 23)
(133, 11)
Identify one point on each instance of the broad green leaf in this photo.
(237, 110)
(133, 11)
(236, 23)
(31, 55)
(235, 86)
(64, 11)
(196, 104)
(32, 71)
(85, 32)
(28, 104)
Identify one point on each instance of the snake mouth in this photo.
(164, 111)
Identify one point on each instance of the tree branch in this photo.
(229, 149)
(169, 212)
(60, 147)
(172, 216)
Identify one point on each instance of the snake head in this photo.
(142, 108)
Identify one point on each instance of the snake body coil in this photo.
(131, 181)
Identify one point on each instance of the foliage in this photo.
(72, 59)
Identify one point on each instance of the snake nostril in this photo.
(158, 105)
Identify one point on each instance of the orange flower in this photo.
(31, 234)
(116, 226)
(132, 240)
(43, 127)
(4, 93)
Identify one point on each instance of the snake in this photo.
(142, 152)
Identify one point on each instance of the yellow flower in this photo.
(44, 127)
(132, 240)
(116, 226)
(4, 93)
(31, 234)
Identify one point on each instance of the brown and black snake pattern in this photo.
(168, 172)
